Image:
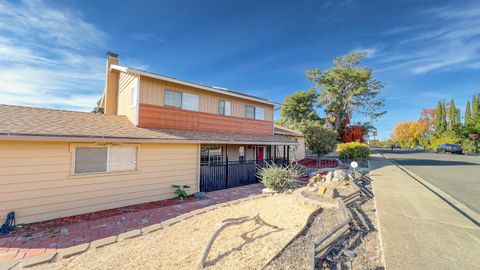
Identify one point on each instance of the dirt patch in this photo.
(246, 246)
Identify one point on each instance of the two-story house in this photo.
(156, 131)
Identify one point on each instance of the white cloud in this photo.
(444, 38)
(46, 57)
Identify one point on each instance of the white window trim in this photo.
(73, 149)
(134, 100)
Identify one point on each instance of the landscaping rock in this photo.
(169, 222)
(332, 193)
(313, 188)
(340, 175)
(321, 190)
(71, 251)
(268, 191)
(152, 228)
(8, 265)
(200, 195)
(103, 242)
(129, 234)
(328, 177)
(37, 259)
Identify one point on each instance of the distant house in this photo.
(156, 131)
(297, 152)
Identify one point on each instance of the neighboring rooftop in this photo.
(286, 131)
(215, 89)
(28, 122)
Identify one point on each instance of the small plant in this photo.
(180, 191)
(277, 178)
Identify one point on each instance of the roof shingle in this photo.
(28, 122)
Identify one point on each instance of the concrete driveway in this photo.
(457, 175)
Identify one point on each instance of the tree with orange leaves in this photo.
(428, 117)
(408, 134)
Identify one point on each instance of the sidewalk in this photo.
(419, 230)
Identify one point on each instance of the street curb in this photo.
(458, 206)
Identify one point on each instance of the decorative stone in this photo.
(71, 251)
(328, 177)
(332, 193)
(268, 191)
(129, 234)
(169, 222)
(321, 190)
(340, 175)
(103, 242)
(152, 228)
(200, 195)
(210, 208)
(31, 261)
(185, 216)
(197, 212)
(8, 265)
(313, 188)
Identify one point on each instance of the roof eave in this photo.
(62, 138)
(207, 88)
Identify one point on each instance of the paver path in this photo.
(21, 246)
(418, 229)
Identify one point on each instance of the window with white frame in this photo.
(134, 96)
(173, 99)
(224, 107)
(249, 111)
(91, 159)
(259, 113)
(189, 102)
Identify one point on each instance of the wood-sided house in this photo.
(156, 131)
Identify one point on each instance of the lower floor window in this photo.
(105, 159)
(211, 155)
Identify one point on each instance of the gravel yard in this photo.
(245, 246)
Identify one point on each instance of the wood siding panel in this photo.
(153, 92)
(152, 116)
(40, 188)
(125, 84)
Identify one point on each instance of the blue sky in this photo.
(52, 53)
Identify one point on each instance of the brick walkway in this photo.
(27, 244)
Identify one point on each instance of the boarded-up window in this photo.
(122, 159)
(105, 159)
(91, 159)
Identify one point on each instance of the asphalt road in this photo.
(457, 175)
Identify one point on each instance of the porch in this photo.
(227, 166)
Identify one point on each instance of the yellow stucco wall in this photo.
(36, 179)
(153, 91)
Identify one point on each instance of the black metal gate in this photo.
(223, 175)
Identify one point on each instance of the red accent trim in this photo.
(153, 116)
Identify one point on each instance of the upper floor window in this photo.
(254, 112)
(259, 113)
(173, 99)
(249, 111)
(181, 100)
(224, 107)
(189, 102)
(105, 159)
(134, 96)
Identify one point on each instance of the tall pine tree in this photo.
(475, 112)
(468, 114)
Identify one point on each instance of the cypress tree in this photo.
(440, 123)
(452, 111)
(474, 109)
(468, 114)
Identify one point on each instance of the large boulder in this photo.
(328, 177)
(339, 175)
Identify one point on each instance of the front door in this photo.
(260, 153)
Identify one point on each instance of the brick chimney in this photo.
(111, 85)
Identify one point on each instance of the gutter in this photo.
(78, 138)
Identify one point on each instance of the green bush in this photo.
(469, 146)
(276, 177)
(443, 138)
(353, 150)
